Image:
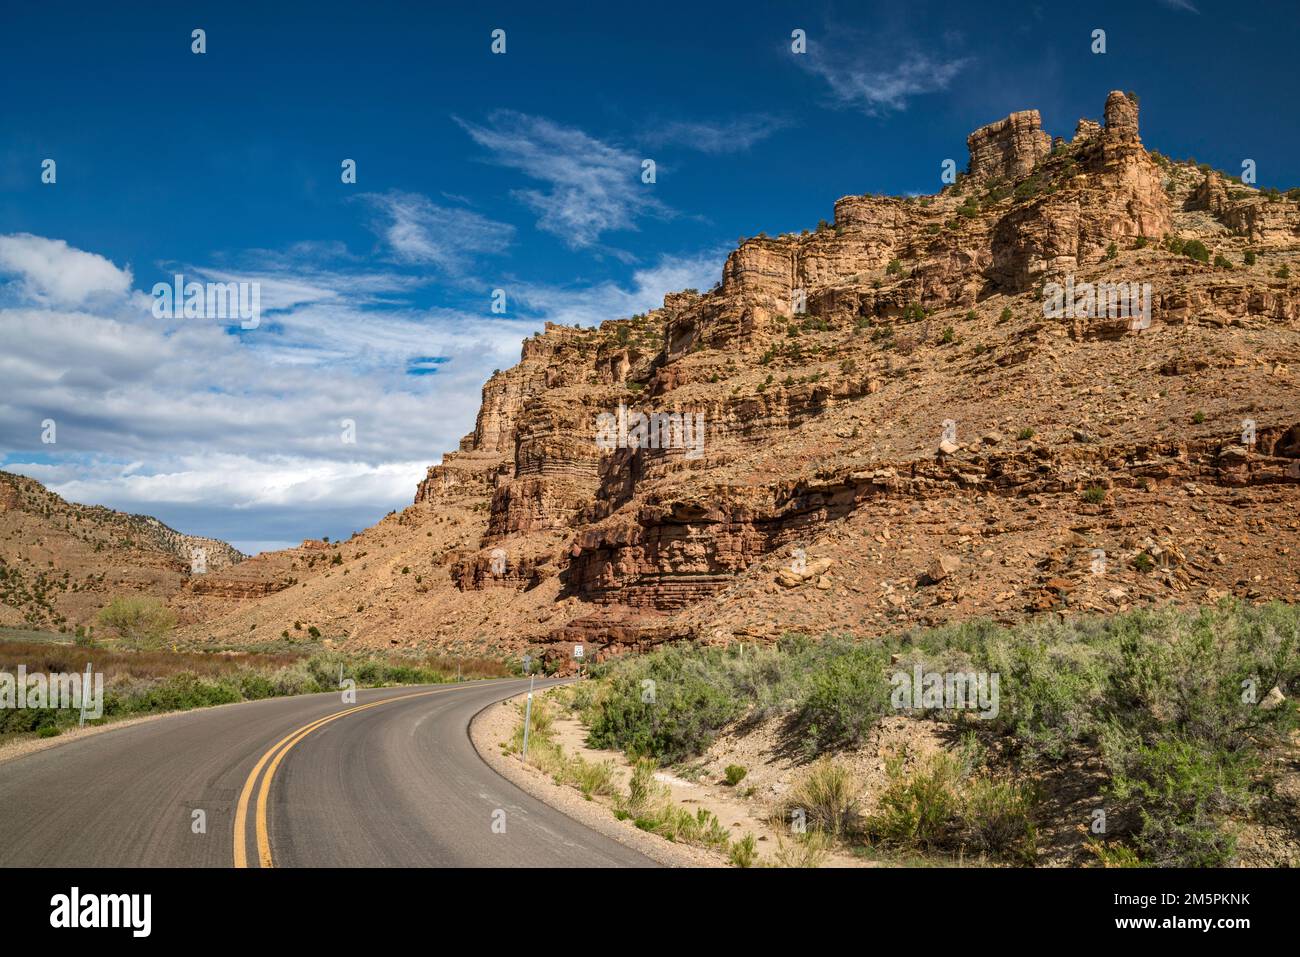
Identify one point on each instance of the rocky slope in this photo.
(61, 562)
(880, 423)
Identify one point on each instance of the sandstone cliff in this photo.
(891, 429)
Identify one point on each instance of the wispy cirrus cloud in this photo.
(418, 231)
(1180, 5)
(877, 77)
(715, 137)
(592, 187)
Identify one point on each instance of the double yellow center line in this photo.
(271, 761)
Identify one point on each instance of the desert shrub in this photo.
(1048, 689)
(918, 809)
(677, 824)
(997, 817)
(680, 719)
(803, 850)
(828, 796)
(735, 774)
(1094, 495)
(1169, 700)
(138, 620)
(541, 724)
(1113, 854)
(590, 777)
(1182, 790)
(642, 787)
(743, 853)
(847, 694)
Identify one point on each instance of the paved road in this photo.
(392, 781)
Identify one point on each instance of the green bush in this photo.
(998, 818)
(680, 720)
(1167, 699)
(847, 694)
(1182, 789)
(743, 853)
(138, 620)
(920, 809)
(735, 774)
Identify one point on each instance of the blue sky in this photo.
(478, 171)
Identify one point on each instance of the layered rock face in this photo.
(1009, 148)
(1105, 187)
(860, 404)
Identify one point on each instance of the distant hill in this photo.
(61, 562)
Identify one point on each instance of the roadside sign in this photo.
(577, 651)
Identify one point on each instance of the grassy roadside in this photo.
(636, 797)
(140, 683)
(1187, 717)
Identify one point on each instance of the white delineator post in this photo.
(85, 693)
(528, 714)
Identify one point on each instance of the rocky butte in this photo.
(896, 433)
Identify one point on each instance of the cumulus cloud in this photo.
(592, 187)
(51, 271)
(240, 434)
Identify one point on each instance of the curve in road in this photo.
(392, 781)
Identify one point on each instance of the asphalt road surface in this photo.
(390, 781)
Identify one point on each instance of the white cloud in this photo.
(716, 137)
(238, 482)
(593, 187)
(878, 79)
(419, 231)
(239, 433)
(51, 271)
(592, 304)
